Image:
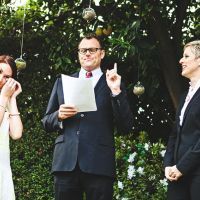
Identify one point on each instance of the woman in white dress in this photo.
(10, 122)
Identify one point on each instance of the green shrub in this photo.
(140, 173)
(31, 155)
(31, 164)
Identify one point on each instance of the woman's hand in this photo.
(167, 172)
(172, 173)
(9, 87)
(18, 89)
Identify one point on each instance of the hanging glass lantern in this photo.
(89, 14)
(20, 63)
(138, 89)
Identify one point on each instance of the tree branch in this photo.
(168, 56)
(180, 15)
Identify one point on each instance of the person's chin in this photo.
(88, 68)
(184, 74)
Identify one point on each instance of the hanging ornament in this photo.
(89, 13)
(20, 62)
(107, 31)
(99, 31)
(138, 89)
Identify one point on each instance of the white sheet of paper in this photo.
(79, 92)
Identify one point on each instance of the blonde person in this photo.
(10, 122)
(182, 158)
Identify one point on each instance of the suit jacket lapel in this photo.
(178, 112)
(196, 95)
(100, 84)
(180, 106)
(76, 74)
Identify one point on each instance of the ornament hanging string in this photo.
(20, 62)
(138, 70)
(138, 88)
(22, 39)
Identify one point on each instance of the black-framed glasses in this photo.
(83, 51)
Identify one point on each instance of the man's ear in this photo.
(102, 54)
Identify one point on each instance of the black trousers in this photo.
(73, 185)
(186, 188)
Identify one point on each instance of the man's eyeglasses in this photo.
(83, 51)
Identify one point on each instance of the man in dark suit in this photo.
(84, 155)
(182, 157)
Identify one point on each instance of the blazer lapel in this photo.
(178, 112)
(182, 101)
(100, 84)
(76, 74)
(196, 96)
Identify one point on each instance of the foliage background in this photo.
(146, 42)
(140, 172)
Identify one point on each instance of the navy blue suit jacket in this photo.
(183, 147)
(88, 137)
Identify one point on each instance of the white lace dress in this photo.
(6, 182)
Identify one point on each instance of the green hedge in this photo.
(31, 155)
(140, 172)
(31, 162)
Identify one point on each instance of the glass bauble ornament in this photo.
(107, 31)
(138, 89)
(88, 14)
(99, 31)
(20, 63)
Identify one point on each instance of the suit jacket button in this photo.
(82, 115)
(78, 132)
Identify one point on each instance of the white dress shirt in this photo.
(96, 75)
(191, 92)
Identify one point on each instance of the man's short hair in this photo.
(89, 36)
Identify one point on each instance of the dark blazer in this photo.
(88, 137)
(183, 147)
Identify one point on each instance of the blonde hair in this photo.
(195, 47)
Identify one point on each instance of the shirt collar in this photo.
(95, 72)
(194, 88)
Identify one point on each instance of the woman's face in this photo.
(190, 64)
(5, 73)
